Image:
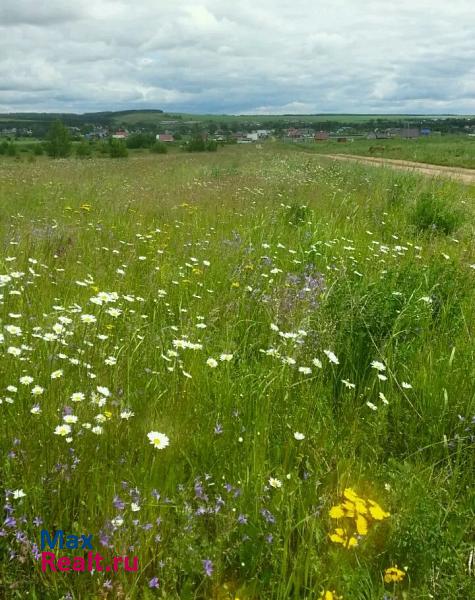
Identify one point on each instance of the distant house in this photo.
(8, 132)
(377, 135)
(164, 137)
(425, 131)
(410, 132)
(307, 133)
(393, 132)
(263, 133)
(254, 136)
(294, 133)
(321, 136)
(98, 133)
(403, 132)
(120, 134)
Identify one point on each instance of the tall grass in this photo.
(278, 261)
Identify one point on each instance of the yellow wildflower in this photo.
(360, 514)
(327, 595)
(336, 512)
(351, 495)
(377, 512)
(349, 508)
(361, 525)
(393, 575)
(340, 537)
(360, 507)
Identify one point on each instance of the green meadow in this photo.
(447, 150)
(252, 369)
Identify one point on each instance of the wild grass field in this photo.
(447, 150)
(300, 332)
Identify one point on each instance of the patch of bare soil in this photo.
(465, 175)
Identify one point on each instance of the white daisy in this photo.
(158, 440)
(63, 430)
(88, 318)
(331, 357)
(70, 419)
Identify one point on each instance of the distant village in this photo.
(173, 134)
(290, 135)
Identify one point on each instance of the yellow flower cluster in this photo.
(327, 595)
(393, 575)
(358, 514)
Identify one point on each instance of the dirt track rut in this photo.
(465, 175)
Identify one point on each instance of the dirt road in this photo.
(465, 175)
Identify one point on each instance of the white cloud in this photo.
(247, 56)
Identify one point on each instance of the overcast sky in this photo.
(239, 56)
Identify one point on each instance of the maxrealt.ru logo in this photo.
(90, 562)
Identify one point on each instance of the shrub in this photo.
(12, 150)
(211, 146)
(59, 141)
(140, 140)
(198, 144)
(159, 148)
(103, 148)
(117, 149)
(84, 150)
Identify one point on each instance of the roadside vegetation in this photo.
(450, 150)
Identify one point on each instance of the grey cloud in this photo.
(45, 13)
(218, 56)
